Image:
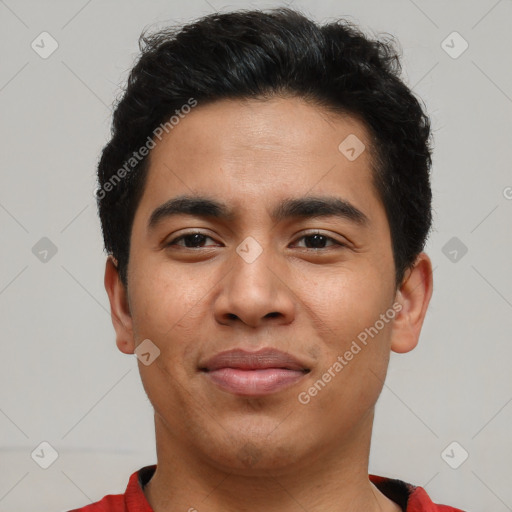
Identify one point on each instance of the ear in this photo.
(414, 296)
(119, 307)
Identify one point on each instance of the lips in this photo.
(253, 373)
(243, 360)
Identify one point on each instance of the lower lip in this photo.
(254, 382)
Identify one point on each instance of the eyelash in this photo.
(185, 235)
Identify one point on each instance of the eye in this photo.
(191, 240)
(196, 240)
(318, 240)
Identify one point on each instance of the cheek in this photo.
(166, 305)
(354, 319)
(345, 303)
(166, 300)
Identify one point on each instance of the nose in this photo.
(255, 293)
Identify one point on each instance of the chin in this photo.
(254, 458)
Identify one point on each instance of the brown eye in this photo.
(191, 240)
(319, 240)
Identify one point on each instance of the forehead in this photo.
(255, 150)
(281, 124)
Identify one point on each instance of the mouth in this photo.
(253, 374)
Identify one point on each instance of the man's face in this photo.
(254, 280)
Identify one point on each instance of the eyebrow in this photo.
(303, 207)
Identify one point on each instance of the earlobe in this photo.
(119, 307)
(414, 297)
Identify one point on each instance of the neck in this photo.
(329, 480)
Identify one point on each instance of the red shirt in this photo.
(409, 497)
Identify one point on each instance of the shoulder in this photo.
(411, 498)
(132, 499)
(110, 503)
(420, 501)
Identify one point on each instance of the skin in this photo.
(218, 451)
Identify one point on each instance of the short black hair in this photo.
(260, 54)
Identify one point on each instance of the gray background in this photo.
(63, 380)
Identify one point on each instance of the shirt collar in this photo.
(402, 493)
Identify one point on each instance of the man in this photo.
(265, 201)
